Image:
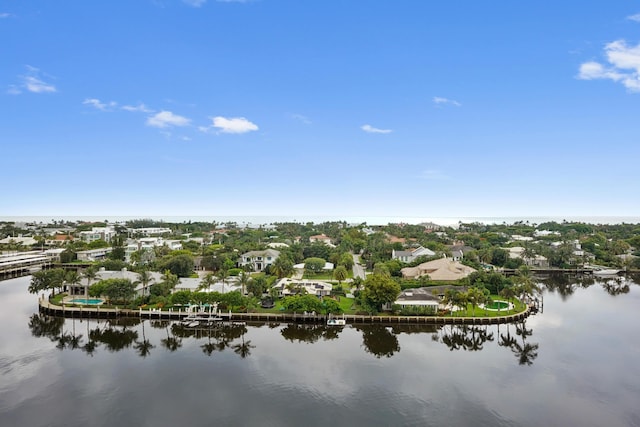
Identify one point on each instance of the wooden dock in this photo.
(102, 313)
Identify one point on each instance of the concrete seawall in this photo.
(98, 313)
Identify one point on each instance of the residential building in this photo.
(93, 254)
(97, 233)
(439, 269)
(288, 286)
(412, 254)
(258, 260)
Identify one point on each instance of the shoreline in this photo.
(96, 313)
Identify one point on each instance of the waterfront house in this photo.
(439, 269)
(258, 260)
(93, 254)
(288, 286)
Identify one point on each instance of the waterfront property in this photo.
(258, 260)
(439, 269)
(288, 286)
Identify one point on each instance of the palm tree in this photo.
(144, 278)
(223, 274)
(170, 279)
(206, 282)
(508, 292)
(245, 278)
(340, 273)
(476, 297)
(72, 278)
(90, 274)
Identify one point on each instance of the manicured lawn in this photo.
(479, 312)
(325, 276)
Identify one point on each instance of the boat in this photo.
(606, 272)
(336, 322)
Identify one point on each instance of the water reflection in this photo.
(566, 285)
(616, 286)
(309, 333)
(380, 341)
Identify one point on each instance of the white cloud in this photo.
(371, 129)
(96, 103)
(195, 3)
(165, 119)
(624, 66)
(301, 118)
(233, 124)
(140, 108)
(635, 17)
(433, 175)
(5, 15)
(438, 100)
(32, 82)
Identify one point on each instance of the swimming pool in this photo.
(497, 305)
(87, 301)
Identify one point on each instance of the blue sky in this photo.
(289, 107)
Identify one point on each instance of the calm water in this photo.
(576, 364)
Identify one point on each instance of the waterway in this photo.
(575, 364)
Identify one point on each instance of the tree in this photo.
(206, 282)
(47, 280)
(346, 259)
(144, 278)
(223, 274)
(476, 296)
(181, 265)
(314, 265)
(331, 306)
(244, 280)
(120, 290)
(340, 273)
(282, 267)
(379, 290)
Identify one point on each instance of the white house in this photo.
(93, 254)
(534, 261)
(288, 286)
(98, 233)
(259, 260)
(412, 254)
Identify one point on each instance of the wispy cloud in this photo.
(300, 118)
(194, 3)
(32, 81)
(97, 104)
(438, 100)
(433, 175)
(371, 129)
(5, 15)
(165, 119)
(232, 1)
(623, 66)
(231, 125)
(140, 108)
(635, 17)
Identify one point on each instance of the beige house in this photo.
(439, 269)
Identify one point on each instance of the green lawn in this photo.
(325, 276)
(479, 312)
